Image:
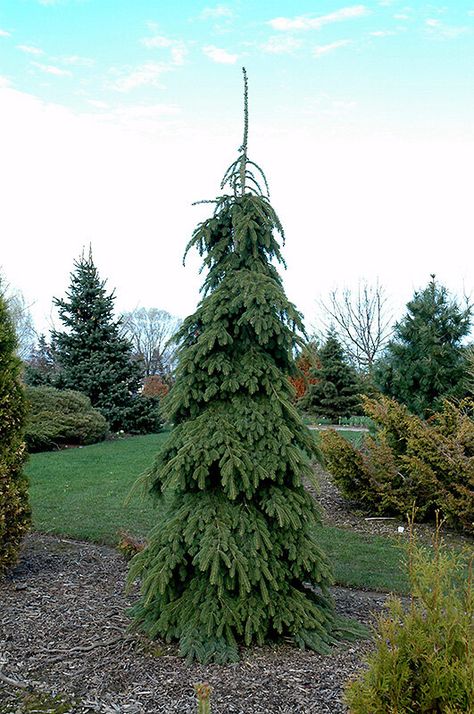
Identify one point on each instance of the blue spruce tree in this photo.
(93, 357)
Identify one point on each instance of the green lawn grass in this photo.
(355, 437)
(81, 493)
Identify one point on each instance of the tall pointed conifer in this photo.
(234, 557)
(93, 357)
(336, 387)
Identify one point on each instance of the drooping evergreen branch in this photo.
(234, 557)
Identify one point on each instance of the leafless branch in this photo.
(150, 331)
(362, 320)
(21, 317)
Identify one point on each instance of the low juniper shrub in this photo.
(408, 459)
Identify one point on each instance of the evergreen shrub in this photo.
(409, 460)
(423, 662)
(14, 507)
(143, 415)
(58, 417)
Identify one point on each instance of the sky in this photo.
(115, 116)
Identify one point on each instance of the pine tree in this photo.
(336, 387)
(40, 368)
(14, 508)
(425, 361)
(234, 556)
(93, 356)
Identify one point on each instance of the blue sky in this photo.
(118, 114)
(386, 58)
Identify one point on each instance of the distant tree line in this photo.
(421, 360)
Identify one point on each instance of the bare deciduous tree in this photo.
(470, 370)
(21, 317)
(150, 330)
(362, 321)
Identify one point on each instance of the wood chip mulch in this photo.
(63, 631)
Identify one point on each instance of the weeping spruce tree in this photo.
(234, 557)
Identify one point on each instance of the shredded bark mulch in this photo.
(63, 629)
(65, 645)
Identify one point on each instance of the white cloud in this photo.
(441, 30)
(52, 69)
(279, 45)
(304, 22)
(4, 82)
(4, 33)
(156, 41)
(381, 33)
(147, 74)
(30, 50)
(177, 47)
(218, 12)
(78, 61)
(344, 105)
(216, 54)
(146, 113)
(178, 54)
(97, 103)
(144, 118)
(401, 16)
(324, 49)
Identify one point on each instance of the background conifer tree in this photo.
(94, 358)
(234, 556)
(426, 361)
(335, 389)
(14, 508)
(40, 368)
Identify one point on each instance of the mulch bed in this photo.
(63, 630)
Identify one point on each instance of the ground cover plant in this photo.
(14, 508)
(409, 460)
(424, 655)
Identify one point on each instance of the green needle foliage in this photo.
(425, 362)
(234, 557)
(423, 662)
(93, 356)
(336, 388)
(14, 508)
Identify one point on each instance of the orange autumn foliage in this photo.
(304, 379)
(155, 386)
